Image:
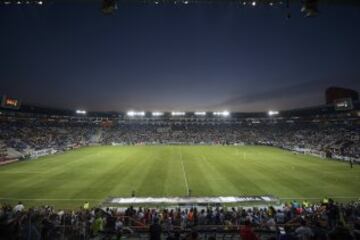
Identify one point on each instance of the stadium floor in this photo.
(95, 173)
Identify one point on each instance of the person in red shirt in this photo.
(246, 232)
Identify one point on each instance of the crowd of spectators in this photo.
(340, 139)
(28, 136)
(294, 220)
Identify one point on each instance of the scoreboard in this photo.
(9, 102)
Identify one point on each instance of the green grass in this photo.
(95, 173)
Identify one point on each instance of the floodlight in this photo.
(200, 113)
(177, 113)
(272, 113)
(253, 3)
(133, 114)
(223, 113)
(130, 113)
(83, 112)
(157, 114)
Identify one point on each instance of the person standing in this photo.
(304, 232)
(247, 233)
(155, 230)
(86, 205)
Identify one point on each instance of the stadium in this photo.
(178, 158)
(173, 125)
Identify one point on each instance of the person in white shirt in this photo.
(118, 225)
(19, 207)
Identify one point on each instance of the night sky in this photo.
(176, 57)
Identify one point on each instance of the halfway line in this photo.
(184, 173)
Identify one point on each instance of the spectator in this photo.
(247, 232)
(155, 230)
(304, 232)
(19, 207)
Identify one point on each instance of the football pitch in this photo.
(95, 173)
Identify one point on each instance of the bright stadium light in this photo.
(130, 113)
(223, 113)
(82, 112)
(273, 113)
(200, 113)
(226, 113)
(135, 114)
(157, 114)
(253, 3)
(177, 113)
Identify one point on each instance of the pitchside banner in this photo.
(189, 200)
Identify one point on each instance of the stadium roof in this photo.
(43, 2)
(219, 1)
(308, 111)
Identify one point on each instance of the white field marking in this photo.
(23, 172)
(184, 172)
(53, 199)
(336, 197)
